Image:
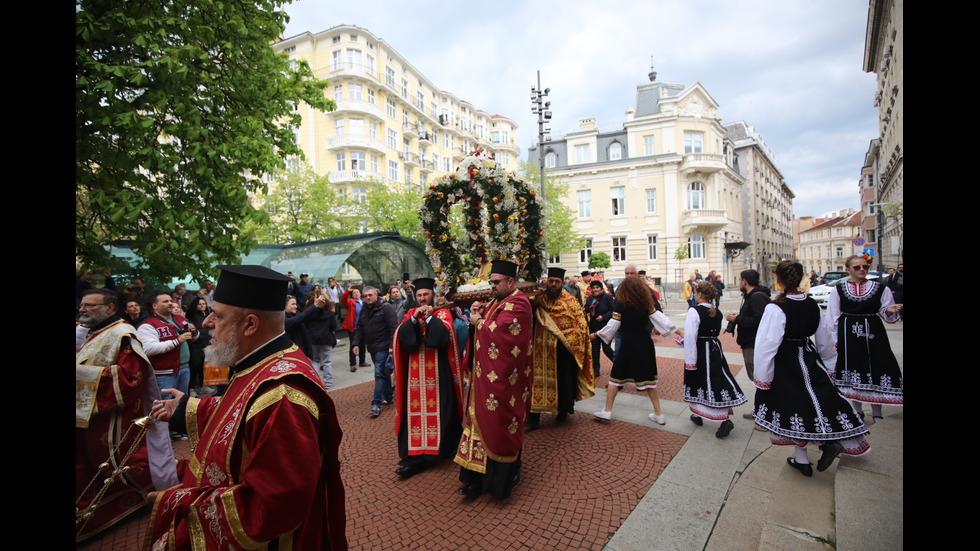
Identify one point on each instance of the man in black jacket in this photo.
(376, 330)
(755, 297)
(599, 310)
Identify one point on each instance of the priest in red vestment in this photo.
(428, 384)
(562, 353)
(265, 470)
(114, 386)
(497, 402)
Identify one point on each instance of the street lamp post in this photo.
(543, 110)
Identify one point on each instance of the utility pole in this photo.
(543, 110)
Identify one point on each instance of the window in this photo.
(391, 109)
(354, 91)
(695, 196)
(550, 159)
(374, 130)
(495, 137)
(369, 64)
(338, 127)
(338, 92)
(447, 164)
(651, 201)
(392, 139)
(652, 247)
(390, 76)
(356, 126)
(619, 249)
(840, 252)
(336, 62)
(585, 204)
(393, 170)
(408, 176)
(695, 246)
(353, 59)
(586, 253)
(359, 194)
(618, 196)
(371, 96)
(420, 101)
(615, 152)
(405, 88)
(581, 154)
(341, 161)
(648, 145)
(374, 163)
(336, 39)
(357, 160)
(692, 142)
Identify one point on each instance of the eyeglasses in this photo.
(862, 267)
(84, 306)
(497, 281)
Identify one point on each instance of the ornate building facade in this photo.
(660, 191)
(392, 125)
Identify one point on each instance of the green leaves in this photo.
(180, 108)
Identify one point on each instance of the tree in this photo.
(389, 209)
(302, 206)
(599, 260)
(180, 108)
(559, 217)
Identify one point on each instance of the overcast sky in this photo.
(790, 69)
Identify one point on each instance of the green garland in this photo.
(502, 221)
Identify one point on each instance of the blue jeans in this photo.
(382, 380)
(321, 355)
(180, 381)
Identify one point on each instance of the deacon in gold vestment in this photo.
(562, 353)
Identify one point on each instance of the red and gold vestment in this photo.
(559, 321)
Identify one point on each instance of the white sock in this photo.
(801, 458)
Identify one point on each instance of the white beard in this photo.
(222, 355)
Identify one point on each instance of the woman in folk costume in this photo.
(709, 387)
(796, 399)
(637, 361)
(867, 370)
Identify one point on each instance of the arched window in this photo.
(550, 159)
(615, 151)
(695, 246)
(695, 196)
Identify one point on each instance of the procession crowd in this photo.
(241, 368)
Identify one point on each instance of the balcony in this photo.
(410, 159)
(348, 176)
(460, 153)
(410, 130)
(703, 162)
(359, 106)
(352, 69)
(427, 166)
(705, 219)
(356, 140)
(425, 138)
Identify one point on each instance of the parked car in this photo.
(831, 276)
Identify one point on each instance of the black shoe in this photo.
(514, 481)
(725, 429)
(353, 368)
(830, 452)
(806, 468)
(562, 417)
(697, 420)
(470, 490)
(409, 470)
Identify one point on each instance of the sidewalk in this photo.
(624, 485)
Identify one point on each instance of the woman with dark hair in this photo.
(637, 362)
(352, 301)
(133, 313)
(796, 400)
(198, 312)
(867, 370)
(709, 387)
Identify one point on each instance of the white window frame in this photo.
(615, 151)
(648, 145)
(582, 154)
(584, 203)
(696, 196)
(619, 246)
(651, 200)
(696, 246)
(693, 142)
(617, 199)
(652, 252)
(586, 253)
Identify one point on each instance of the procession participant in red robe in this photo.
(114, 386)
(562, 353)
(497, 401)
(428, 384)
(265, 470)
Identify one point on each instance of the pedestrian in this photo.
(745, 323)
(709, 387)
(796, 400)
(322, 328)
(375, 331)
(598, 311)
(867, 371)
(719, 286)
(351, 299)
(637, 361)
(689, 286)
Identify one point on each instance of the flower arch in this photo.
(502, 220)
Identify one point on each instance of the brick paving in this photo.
(579, 483)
